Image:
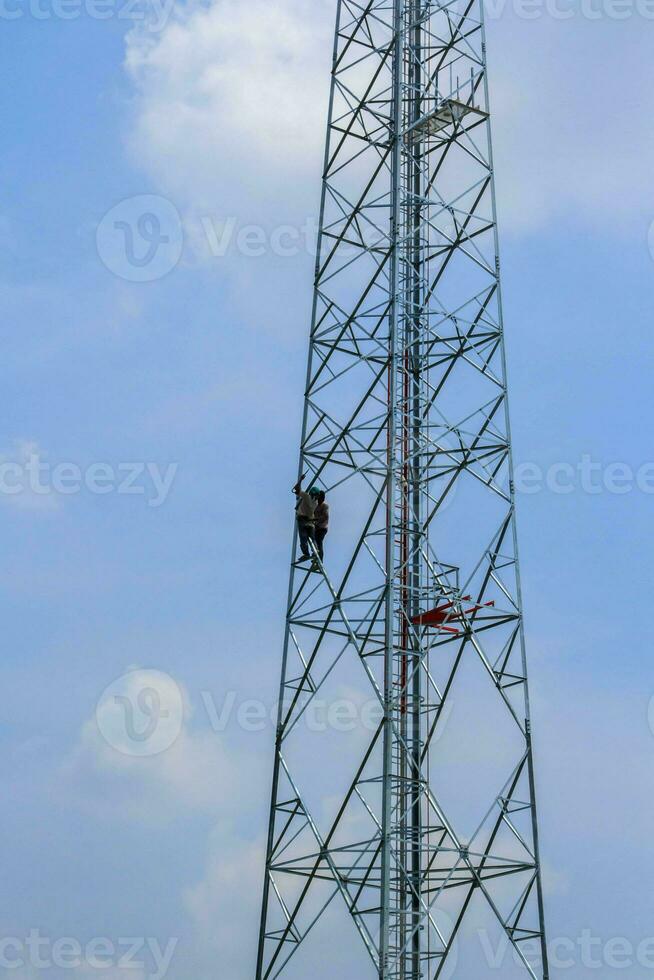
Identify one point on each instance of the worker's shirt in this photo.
(306, 506)
(322, 516)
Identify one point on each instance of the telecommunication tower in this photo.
(406, 845)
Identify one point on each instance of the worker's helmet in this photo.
(314, 492)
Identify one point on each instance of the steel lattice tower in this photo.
(419, 838)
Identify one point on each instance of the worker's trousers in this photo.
(321, 534)
(307, 532)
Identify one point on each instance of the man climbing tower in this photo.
(305, 509)
(321, 517)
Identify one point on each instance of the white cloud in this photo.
(21, 484)
(230, 104)
(196, 774)
(225, 909)
(228, 120)
(224, 905)
(555, 881)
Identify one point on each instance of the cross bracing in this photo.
(420, 827)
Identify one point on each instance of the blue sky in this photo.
(220, 113)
